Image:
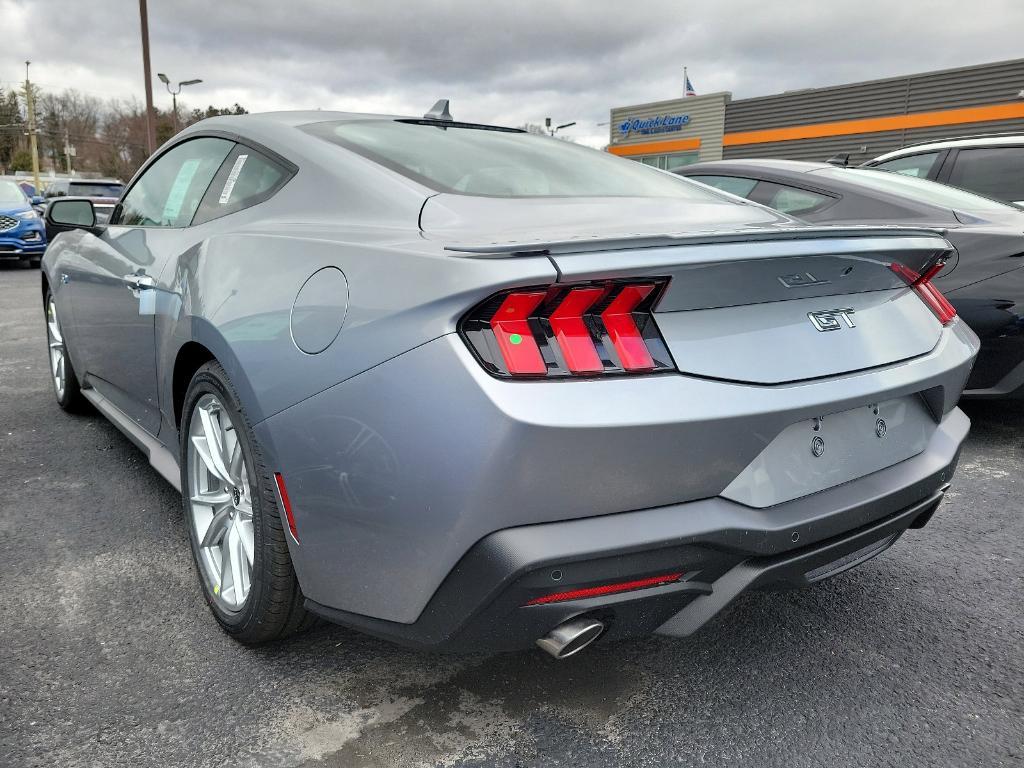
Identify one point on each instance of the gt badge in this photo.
(831, 319)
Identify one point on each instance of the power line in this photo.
(82, 138)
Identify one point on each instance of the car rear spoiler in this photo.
(513, 249)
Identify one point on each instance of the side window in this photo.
(169, 192)
(246, 178)
(995, 172)
(734, 185)
(791, 200)
(915, 165)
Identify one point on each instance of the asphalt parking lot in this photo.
(108, 656)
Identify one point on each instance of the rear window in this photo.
(94, 189)
(918, 189)
(734, 185)
(914, 165)
(496, 162)
(996, 172)
(791, 200)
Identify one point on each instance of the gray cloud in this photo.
(509, 62)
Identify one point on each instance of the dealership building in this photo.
(860, 119)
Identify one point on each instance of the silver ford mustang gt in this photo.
(465, 387)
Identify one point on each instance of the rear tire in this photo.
(62, 372)
(230, 502)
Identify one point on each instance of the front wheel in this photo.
(235, 527)
(62, 373)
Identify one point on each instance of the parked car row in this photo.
(22, 234)
(104, 193)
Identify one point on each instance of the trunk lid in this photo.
(750, 298)
(775, 307)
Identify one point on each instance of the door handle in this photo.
(138, 282)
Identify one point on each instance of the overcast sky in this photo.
(505, 62)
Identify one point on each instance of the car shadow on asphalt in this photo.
(992, 421)
(12, 265)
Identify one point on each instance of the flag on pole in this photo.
(689, 85)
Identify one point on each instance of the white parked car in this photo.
(989, 165)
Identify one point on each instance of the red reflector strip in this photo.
(512, 332)
(287, 505)
(625, 336)
(571, 330)
(607, 589)
(928, 293)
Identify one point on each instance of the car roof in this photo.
(93, 181)
(739, 166)
(298, 118)
(964, 141)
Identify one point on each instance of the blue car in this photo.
(22, 234)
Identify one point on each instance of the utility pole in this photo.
(67, 150)
(150, 123)
(30, 106)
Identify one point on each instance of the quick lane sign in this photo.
(659, 124)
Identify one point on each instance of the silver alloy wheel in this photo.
(220, 501)
(57, 351)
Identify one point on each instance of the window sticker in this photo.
(172, 208)
(229, 184)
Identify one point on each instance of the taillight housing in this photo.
(922, 285)
(569, 330)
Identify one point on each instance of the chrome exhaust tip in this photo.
(571, 637)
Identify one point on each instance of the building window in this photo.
(669, 162)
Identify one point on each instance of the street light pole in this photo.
(557, 128)
(174, 95)
(150, 123)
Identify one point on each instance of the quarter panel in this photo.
(235, 294)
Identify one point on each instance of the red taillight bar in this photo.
(922, 285)
(287, 504)
(571, 331)
(625, 336)
(511, 328)
(938, 303)
(607, 589)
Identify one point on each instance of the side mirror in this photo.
(37, 200)
(66, 215)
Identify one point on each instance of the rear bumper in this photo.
(723, 548)
(397, 473)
